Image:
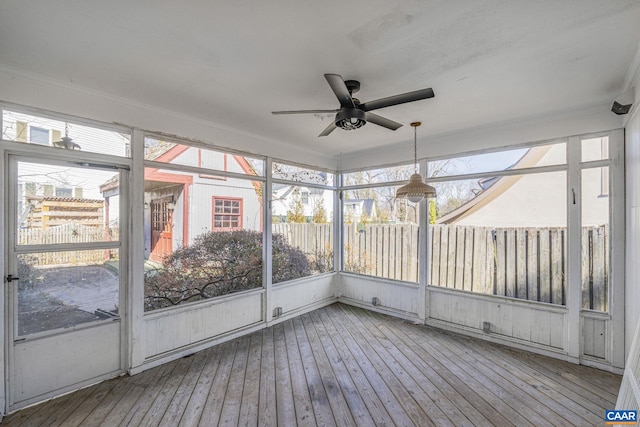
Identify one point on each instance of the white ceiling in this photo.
(233, 62)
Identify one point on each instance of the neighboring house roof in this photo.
(62, 199)
(155, 151)
(495, 186)
(285, 189)
(167, 151)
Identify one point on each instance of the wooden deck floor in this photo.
(343, 366)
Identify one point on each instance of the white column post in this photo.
(267, 249)
(135, 286)
(423, 251)
(573, 330)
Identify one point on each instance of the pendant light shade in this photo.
(415, 190)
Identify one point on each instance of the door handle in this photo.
(10, 278)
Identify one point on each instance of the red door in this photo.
(161, 228)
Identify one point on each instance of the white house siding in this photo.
(283, 199)
(89, 139)
(201, 204)
(201, 193)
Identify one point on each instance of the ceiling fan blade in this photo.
(382, 121)
(340, 89)
(328, 130)
(398, 99)
(305, 112)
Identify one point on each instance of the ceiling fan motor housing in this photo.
(350, 118)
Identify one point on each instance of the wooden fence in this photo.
(68, 233)
(518, 262)
(312, 239)
(383, 250)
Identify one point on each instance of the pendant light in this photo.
(415, 190)
(66, 141)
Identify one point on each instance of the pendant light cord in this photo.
(415, 149)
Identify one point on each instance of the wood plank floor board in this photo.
(391, 402)
(580, 377)
(493, 385)
(462, 381)
(357, 406)
(595, 394)
(130, 402)
(41, 414)
(267, 409)
(215, 400)
(466, 399)
(194, 407)
(285, 405)
(375, 407)
(251, 389)
(305, 415)
(557, 389)
(493, 408)
(30, 415)
(96, 396)
(416, 404)
(339, 406)
(74, 403)
(128, 389)
(342, 365)
(319, 399)
(176, 406)
(162, 395)
(230, 414)
(514, 386)
(566, 409)
(420, 386)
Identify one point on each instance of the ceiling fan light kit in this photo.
(350, 119)
(415, 190)
(353, 114)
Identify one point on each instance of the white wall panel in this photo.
(594, 119)
(41, 92)
(171, 329)
(535, 323)
(594, 336)
(52, 365)
(399, 297)
(632, 164)
(302, 293)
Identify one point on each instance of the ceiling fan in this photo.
(352, 114)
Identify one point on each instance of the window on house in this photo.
(39, 135)
(304, 197)
(64, 192)
(227, 213)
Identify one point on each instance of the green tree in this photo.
(296, 210)
(433, 211)
(319, 212)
